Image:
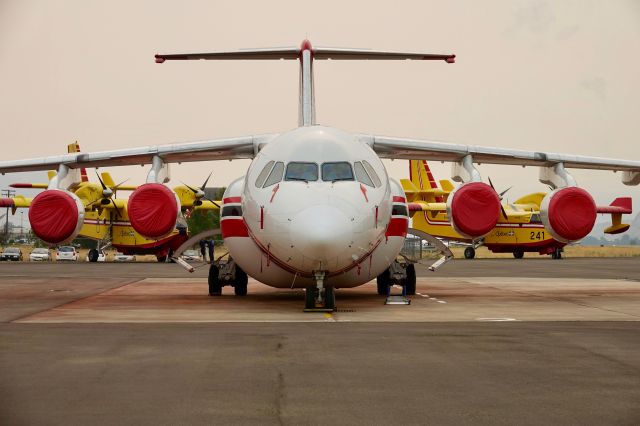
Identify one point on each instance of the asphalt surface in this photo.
(67, 357)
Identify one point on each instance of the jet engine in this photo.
(153, 210)
(568, 213)
(56, 216)
(473, 209)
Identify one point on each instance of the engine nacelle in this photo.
(56, 216)
(153, 210)
(568, 213)
(473, 209)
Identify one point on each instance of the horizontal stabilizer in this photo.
(620, 205)
(319, 53)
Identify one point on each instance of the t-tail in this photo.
(306, 54)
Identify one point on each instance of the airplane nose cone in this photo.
(321, 232)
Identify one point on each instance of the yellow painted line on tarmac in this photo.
(329, 316)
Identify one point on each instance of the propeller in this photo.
(107, 194)
(199, 194)
(500, 195)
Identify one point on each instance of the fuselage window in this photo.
(399, 210)
(376, 180)
(276, 174)
(302, 171)
(361, 174)
(332, 172)
(231, 211)
(263, 174)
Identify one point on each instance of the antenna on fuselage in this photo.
(306, 54)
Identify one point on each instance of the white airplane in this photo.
(316, 208)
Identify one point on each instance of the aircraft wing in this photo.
(400, 148)
(16, 202)
(422, 206)
(218, 149)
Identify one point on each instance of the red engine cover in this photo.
(153, 210)
(56, 216)
(568, 213)
(474, 209)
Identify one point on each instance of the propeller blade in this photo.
(504, 192)
(195, 191)
(206, 181)
(116, 207)
(504, 213)
(491, 183)
(93, 202)
(101, 182)
(213, 202)
(120, 184)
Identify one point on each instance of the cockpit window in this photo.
(332, 172)
(361, 174)
(263, 174)
(276, 174)
(376, 180)
(302, 171)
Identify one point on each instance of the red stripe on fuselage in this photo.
(232, 200)
(397, 227)
(233, 227)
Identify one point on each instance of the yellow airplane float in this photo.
(519, 229)
(106, 218)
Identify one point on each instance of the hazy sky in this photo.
(558, 76)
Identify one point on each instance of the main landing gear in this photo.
(556, 254)
(318, 298)
(403, 274)
(227, 273)
(469, 253)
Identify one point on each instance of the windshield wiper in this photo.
(297, 178)
(338, 179)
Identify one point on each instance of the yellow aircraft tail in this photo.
(420, 175)
(75, 147)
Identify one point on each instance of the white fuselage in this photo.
(305, 206)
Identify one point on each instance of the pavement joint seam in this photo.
(23, 317)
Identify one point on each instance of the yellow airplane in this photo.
(518, 230)
(106, 218)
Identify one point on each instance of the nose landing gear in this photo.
(227, 273)
(319, 298)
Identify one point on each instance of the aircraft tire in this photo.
(240, 283)
(93, 255)
(518, 254)
(469, 253)
(556, 254)
(410, 281)
(215, 288)
(383, 281)
(162, 259)
(329, 298)
(310, 297)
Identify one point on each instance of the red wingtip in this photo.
(21, 185)
(6, 202)
(159, 59)
(451, 59)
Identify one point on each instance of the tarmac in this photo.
(483, 342)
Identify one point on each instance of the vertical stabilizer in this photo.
(421, 176)
(75, 147)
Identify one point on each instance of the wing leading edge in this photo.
(219, 149)
(408, 149)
